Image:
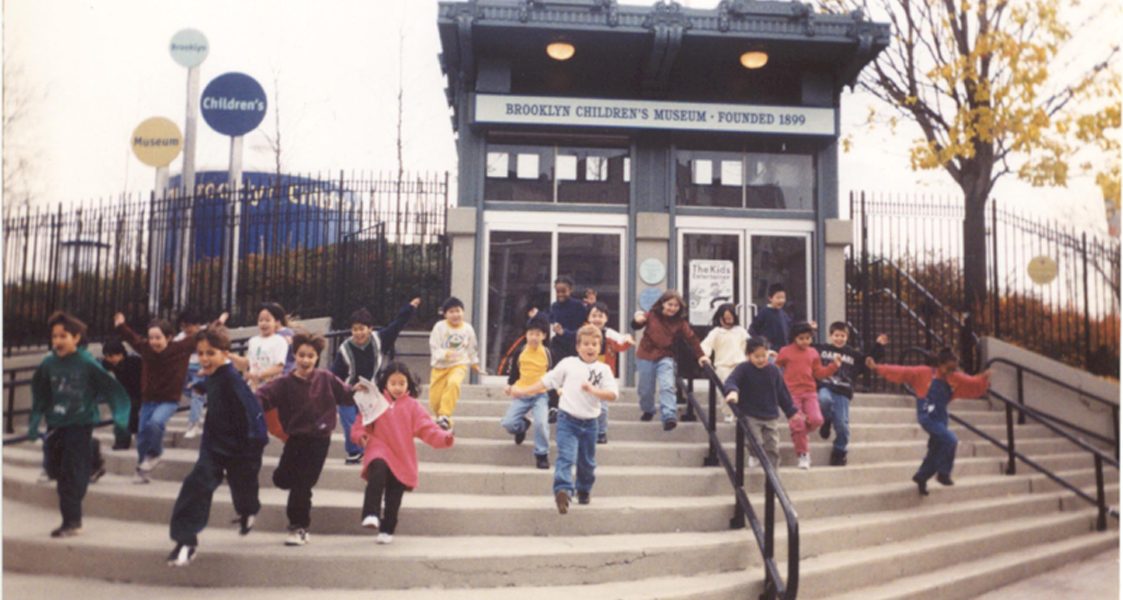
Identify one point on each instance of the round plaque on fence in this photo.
(1042, 270)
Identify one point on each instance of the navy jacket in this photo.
(760, 392)
(235, 423)
(774, 324)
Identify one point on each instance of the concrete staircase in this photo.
(482, 523)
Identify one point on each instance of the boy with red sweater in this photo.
(802, 366)
(300, 411)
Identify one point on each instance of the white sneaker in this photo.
(297, 537)
(43, 477)
(371, 522)
(729, 418)
(384, 538)
(140, 476)
(193, 431)
(752, 462)
(181, 555)
(148, 463)
(805, 461)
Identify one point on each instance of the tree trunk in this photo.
(974, 268)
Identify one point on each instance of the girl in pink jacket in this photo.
(389, 456)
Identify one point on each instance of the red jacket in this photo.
(920, 378)
(390, 437)
(660, 335)
(802, 368)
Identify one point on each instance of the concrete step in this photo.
(982, 575)
(135, 551)
(338, 511)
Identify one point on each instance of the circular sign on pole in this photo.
(233, 104)
(157, 141)
(1042, 269)
(189, 47)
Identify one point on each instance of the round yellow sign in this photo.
(1042, 269)
(157, 141)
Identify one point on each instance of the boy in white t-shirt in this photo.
(584, 382)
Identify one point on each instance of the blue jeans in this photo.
(347, 415)
(198, 401)
(942, 443)
(602, 420)
(515, 423)
(836, 411)
(577, 442)
(150, 427)
(657, 375)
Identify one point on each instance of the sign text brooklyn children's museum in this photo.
(643, 114)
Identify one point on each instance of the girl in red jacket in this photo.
(934, 388)
(802, 366)
(665, 324)
(389, 456)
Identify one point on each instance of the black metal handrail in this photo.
(1114, 406)
(775, 586)
(1098, 456)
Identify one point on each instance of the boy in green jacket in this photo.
(66, 388)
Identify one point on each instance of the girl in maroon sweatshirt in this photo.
(665, 324)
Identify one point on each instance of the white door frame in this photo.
(553, 223)
(746, 229)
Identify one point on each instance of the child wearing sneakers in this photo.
(836, 391)
(934, 387)
(361, 355)
(389, 455)
(528, 365)
(65, 390)
(304, 406)
(726, 343)
(126, 368)
(612, 344)
(584, 382)
(772, 321)
(802, 366)
(453, 348)
(665, 324)
(757, 390)
(234, 437)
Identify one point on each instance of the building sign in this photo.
(189, 47)
(644, 114)
(156, 141)
(711, 284)
(233, 104)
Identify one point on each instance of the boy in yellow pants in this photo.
(453, 348)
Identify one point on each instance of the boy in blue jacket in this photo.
(234, 436)
(65, 390)
(772, 321)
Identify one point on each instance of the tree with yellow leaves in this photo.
(981, 79)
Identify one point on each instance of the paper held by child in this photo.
(370, 401)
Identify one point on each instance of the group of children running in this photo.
(278, 388)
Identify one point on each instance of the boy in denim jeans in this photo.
(528, 366)
(584, 382)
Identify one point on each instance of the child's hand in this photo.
(558, 329)
(705, 360)
(870, 363)
(986, 374)
(772, 354)
(640, 317)
(221, 320)
(363, 439)
(814, 325)
(530, 313)
(629, 340)
(883, 340)
(731, 398)
(415, 302)
(361, 387)
(587, 387)
(837, 361)
(476, 368)
(118, 319)
(508, 391)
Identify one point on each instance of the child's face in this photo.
(306, 359)
(157, 340)
(803, 341)
(455, 316)
(945, 369)
(534, 337)
(671, 307)
(360, 333)
(266, 324)
(397, 385)
(597, 318)
(190, 328)
(759, 357)
(778, 300)
(590, 297)
(563, 291)
(727, 319)
(63, 342)
(839, 337)
(210, 358)
(114, 359)
(588, 347)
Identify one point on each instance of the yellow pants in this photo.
(444, 389)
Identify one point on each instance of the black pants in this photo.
(69, 456)
(193, 506)
(301, 463)
(380, 479)
(123, 438)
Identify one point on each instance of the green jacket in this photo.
(68, 389)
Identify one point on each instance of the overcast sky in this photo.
(90, 71)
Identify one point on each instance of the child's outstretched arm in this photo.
(360, 433)
(969, 386)
(129, 336)
(40, 401)
(523, 392)
(639, 320)
(389, 334)
(110, 391)
(818, 371)
(607, 395)
(912, 375)
(427, 430)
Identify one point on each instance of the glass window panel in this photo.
(702, 172)
(600, 176)
(527, 166)
(518, 278)
(593, 261)
(596, 168)
(519, 173)
(497, 165)
(696, 184)
(781, 181)
(704, 255)
(567, 168)
(781, 259)
(731, 173)
(627, 170)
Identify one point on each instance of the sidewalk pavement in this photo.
(1094, 579)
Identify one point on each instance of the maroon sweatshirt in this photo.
(660, 335)
(306, 407)
(163, 373)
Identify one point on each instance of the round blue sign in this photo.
(648, 297)
(233, 104)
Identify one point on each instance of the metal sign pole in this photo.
(188, 187)
(235, 185)
(157, 236)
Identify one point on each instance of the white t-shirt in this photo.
(728, 346)
(265, 352)
(568, 375)
(450, 346)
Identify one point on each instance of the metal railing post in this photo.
(738, 520)
(1115, 427)
(711, 457)
(1011, 466)
(9, 418)
(1021, 398)
(1101, 519)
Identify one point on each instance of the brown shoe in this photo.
(561, 498)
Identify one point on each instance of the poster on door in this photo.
(711, 284)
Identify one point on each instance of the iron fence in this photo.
(319, 245)
(905, 278)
